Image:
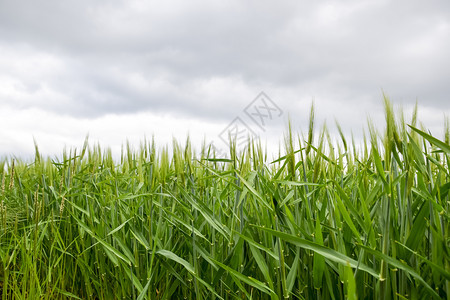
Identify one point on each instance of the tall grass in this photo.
(326, 220)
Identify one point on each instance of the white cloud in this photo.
(196, 65)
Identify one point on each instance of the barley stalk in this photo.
(324, 219)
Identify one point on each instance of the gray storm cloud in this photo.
(207, 60)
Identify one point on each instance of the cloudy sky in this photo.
(119, 70)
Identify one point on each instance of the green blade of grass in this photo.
(324, 251)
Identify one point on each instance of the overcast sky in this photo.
(119, 70)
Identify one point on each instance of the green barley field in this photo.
(326, 219)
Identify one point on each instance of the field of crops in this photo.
(326, 220)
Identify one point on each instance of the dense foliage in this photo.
(326, 220)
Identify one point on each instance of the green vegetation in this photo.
(326, 220)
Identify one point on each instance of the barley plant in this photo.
(327, 219)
